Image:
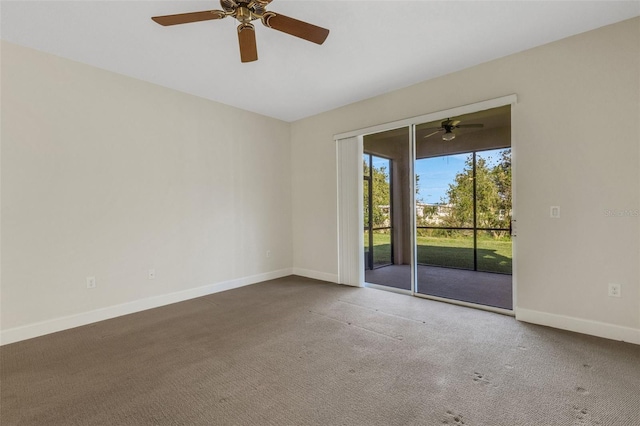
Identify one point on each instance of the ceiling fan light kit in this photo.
(245, 11)
(448, 136)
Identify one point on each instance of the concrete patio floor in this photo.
(482, 288)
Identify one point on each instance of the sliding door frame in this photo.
(349, 145)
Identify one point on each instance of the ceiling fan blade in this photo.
(247, 39)
(295, 27)
(469, 125)
(185, 18)
(432, 133)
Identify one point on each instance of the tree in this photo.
(492, 190)
(381, 196)
(502, 177)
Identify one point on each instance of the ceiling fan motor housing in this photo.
(244, 15)
(244, 11)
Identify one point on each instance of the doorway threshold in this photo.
(502, 311)
(387, 288)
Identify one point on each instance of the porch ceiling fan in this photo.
(246, 11)
(448, 126)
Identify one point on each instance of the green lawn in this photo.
(494, 254)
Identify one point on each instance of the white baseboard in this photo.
(316, 275)
(29, 331)
(580, 325)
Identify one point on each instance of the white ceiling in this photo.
(374, 46)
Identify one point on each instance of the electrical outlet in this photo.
(152, 274)
(614, 290)
(91, 282)
(554, 212)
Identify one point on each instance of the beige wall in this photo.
(576, 136)
(107, 176)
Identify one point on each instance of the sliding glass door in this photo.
(387, 209)
(463, 208)
(437, 208)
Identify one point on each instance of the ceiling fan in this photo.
(448, 126)
(246, 11)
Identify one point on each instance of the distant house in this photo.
(432, 214)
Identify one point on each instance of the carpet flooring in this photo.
(482, 288)
(296, 351)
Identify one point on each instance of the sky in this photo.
(435, 175)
